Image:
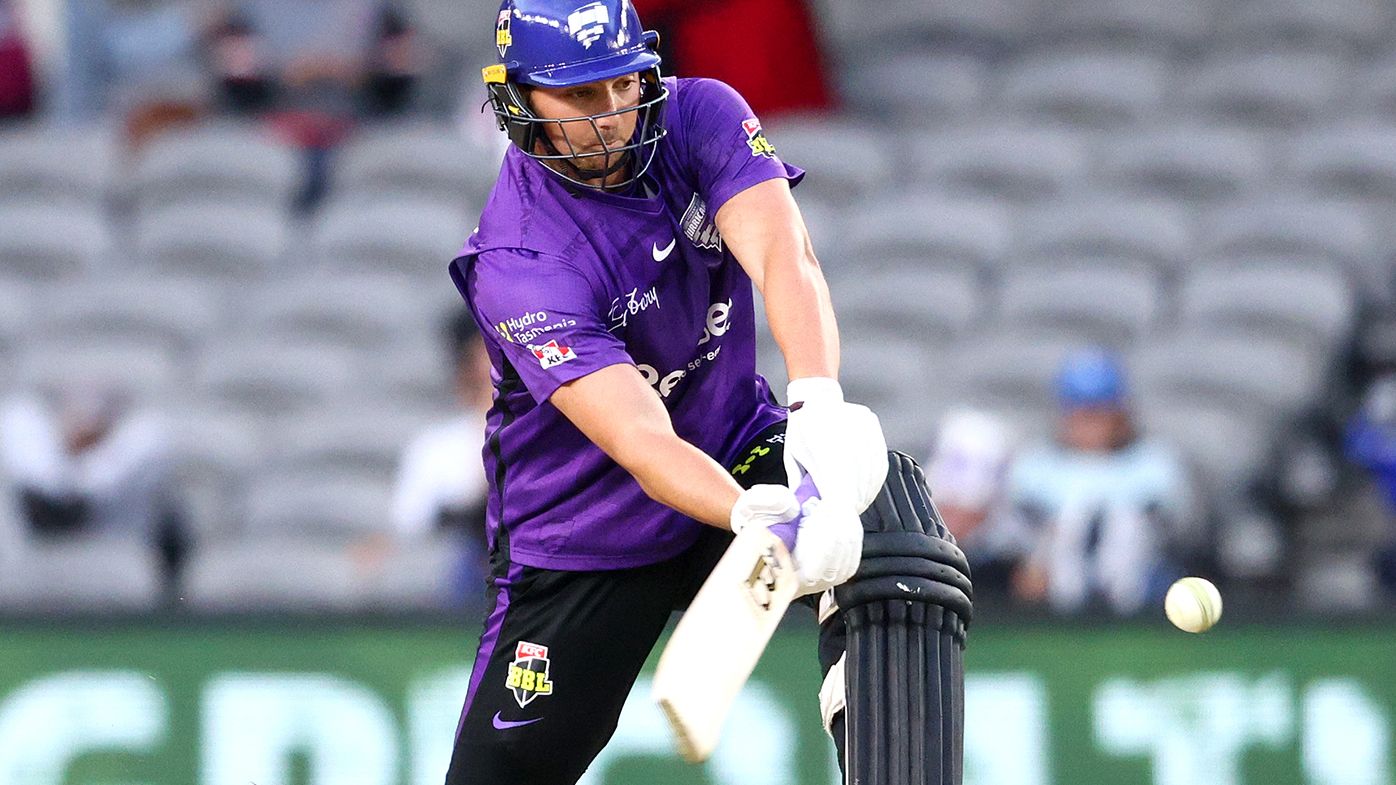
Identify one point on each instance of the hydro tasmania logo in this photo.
(528, 674)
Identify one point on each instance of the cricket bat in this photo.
(719, 639)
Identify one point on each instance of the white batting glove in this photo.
(764, 505)
(825, 541)
(829, 547)
(839, 443)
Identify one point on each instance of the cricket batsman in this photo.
(630, 434)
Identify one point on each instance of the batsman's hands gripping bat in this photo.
(824, 538)
(839, 443)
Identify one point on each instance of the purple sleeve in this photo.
(727, 145)
(543, 316)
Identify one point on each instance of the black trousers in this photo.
(561, 651)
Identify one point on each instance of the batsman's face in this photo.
(594, 98)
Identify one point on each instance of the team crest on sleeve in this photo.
(502, 37)
(698, 227)
(756, 139)
(552, 354)
(529, 673)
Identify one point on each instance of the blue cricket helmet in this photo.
(1091, 377)
(561, 43)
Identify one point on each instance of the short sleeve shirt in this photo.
(565, 281)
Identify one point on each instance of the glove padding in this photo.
(825, 539)
(839, 443)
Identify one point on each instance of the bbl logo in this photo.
(528, 675)
(756, 139)
(502, 37)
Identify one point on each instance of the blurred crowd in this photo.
(1099, 517)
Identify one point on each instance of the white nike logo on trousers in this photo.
(659, 255)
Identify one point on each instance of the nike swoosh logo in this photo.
(659, 255)
(506, 725)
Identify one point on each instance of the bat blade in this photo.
(720, 638)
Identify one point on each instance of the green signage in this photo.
(361, 703)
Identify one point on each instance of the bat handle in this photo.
(788, 531)
(806, 490)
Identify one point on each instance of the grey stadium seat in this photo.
(397, 234)
(899, 379)
(353, 309)
(225, 240)
(358, 436)
(226, 164)
(1358, 23)
(1243, 370)
(1375, 90)
(1178, 24)
(318, 503)
(1354, 160)
(1009, 369)
(1228, 445)
(86, 574)
(417, 373)
(423, 161)
(216, 450)
(16, 310)
(1333, 230)
(149, 371)
(913, 86)
(844, 160)
(417, 574)
(825, 222)
(1111, 305)
(935, 228)
(932, 304)
(1268, 88)
(1311, 303)
(1185, 161)
(1086, 88)
(41, 241)
(273, 376)
(1157, 233)
(179, 313)
(281, 572)
(998, 161)
(56, 164)
(986, 24)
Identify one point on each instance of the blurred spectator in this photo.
(766, 49)
(440, 484)
(1370, 442)
(81, 462)
(1107, 505)
(968, 476)
(16, 68)
(441, 478)
(311, 68)
(137, 60)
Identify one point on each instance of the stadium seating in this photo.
(1105, 89)
(228, 164)
(101, 573)
(1205, 186)
(212, 238)
(39, 240)
(71, 165)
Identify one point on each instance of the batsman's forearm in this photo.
(678, 475)
(801, 315)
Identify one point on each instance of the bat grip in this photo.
(789, 531)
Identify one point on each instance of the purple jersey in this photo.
(566, 281)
